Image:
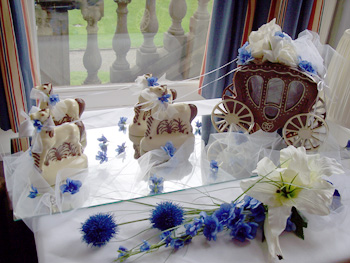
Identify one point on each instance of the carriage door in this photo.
(272, 107)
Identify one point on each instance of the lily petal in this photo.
(274, 225)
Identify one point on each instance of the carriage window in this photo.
(295, 93)
(275, 91)
(255, 84)
(271, 112)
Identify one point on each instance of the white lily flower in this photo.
(296, 182)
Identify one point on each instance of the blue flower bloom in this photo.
(38, 125)
(145, 246)
(34, 193)
(211, 225)
(348, 144)
(53, 99)
(177, 243)
(103, 147)
(122, 251)
(214, 168)
(156, 185)
(290, 226)
(103, 139)
(167, 215)
(244, 56)
(99, 229)
(280, 34)
(166, 237)
(198, 128)
(256, 207)
(243, 231)
(237, 217)
(224, 214)
(169, 149)
(102, 157)
(122, 123)
(152, 81)
(71, 186)
(121, 148)
(164, 98)
(306, 66)
(192, 229)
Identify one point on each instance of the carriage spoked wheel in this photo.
(229, 92)
(306, 129)
(319, 108)
(232, 115)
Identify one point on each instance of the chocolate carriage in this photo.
(272, 96)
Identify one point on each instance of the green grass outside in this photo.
(108, 23)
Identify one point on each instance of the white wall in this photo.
(5, 137)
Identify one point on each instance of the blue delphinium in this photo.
(211, 226)
(99, 229)
(243, 230)
(198, 129)
(244, 55)
(122, 123)
(167, 215)
(166, 237)
(177, 243)
(306, 66)
(103, 139)
(120, 148)
(102, 156)
(103, 147)
(53, 99)
(34, 193)
(152, 81)
(164, 98)
(256, 208)
(123, 251)
(224, 214)
(169, 148)
(145, 246)
(71, 186)
(156, 185)
(192, 229)
(38, 125)
(214, 168)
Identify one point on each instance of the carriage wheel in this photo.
(231, 114)
(308, 130)
(319, 108)
(229, 92)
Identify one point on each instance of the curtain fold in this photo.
(19, 67)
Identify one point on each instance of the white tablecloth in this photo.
(59, 239)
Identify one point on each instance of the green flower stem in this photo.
(134, 221)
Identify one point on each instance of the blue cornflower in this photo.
(102, 157)
(103, 139)
(53, 99)
(122, 123)
(123, 251)
(121, 148)
(71, 186)
(156, 185)
(166, 237)
(306, 66)
(167, 215)
(224, 214)
(34, 193)
(164, 98)
(99, 229)
(290, 226)
(38, 125)
(211, 225)
(256, 207)
(244, 56)
(103, 147)
(198, 128)
(169, 148)
(152, 81)
(145, 246)
(243, 231)
(177, 243)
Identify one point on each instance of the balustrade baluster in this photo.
(92, 57)
(199, 24)
(120, 70)
(175, 39)
(147, 53)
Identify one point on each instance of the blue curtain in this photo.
(229, 21)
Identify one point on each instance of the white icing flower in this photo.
(260, 40)
(297, 182)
